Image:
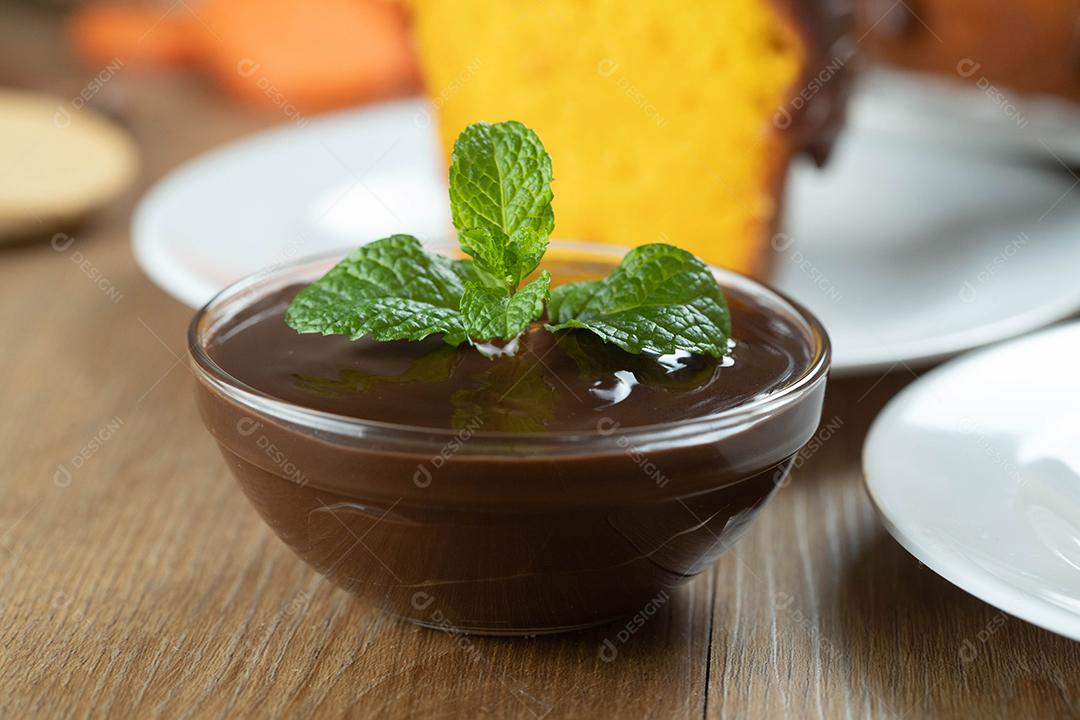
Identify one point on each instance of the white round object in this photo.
(975, 469)
(975, 114)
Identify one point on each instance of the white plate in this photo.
(975, 469)
(906, 255)
(975, 114)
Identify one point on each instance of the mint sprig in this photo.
(659, 300)
(493, 315)
(500, 199)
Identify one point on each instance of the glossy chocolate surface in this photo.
(556, 382)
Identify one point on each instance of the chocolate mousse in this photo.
(561, 487)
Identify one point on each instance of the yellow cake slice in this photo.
(666, 121)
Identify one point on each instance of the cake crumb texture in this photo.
(660, 117)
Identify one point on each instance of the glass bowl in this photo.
(506, 533)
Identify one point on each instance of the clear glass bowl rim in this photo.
(688, 431)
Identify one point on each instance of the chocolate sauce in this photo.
(520, 534)
(562, 381)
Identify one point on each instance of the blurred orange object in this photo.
(311, 53)
(133, 34)
(297, 54)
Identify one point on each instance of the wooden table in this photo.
(137, 581)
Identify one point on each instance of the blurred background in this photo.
(906, 169)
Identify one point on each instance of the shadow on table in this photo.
(656, 667)
(76, 234)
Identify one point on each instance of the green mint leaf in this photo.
(658, 300)
(500, 198)
(390, 289)
(404, 319)
(468, 271)
(568, 301)
(491, 314)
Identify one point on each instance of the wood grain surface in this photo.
(135, 580)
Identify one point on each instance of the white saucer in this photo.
(975, 469)
(975, 114)
(896, 249)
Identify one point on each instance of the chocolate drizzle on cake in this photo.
(815, 111)
(1075, 52)
(891, 18)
